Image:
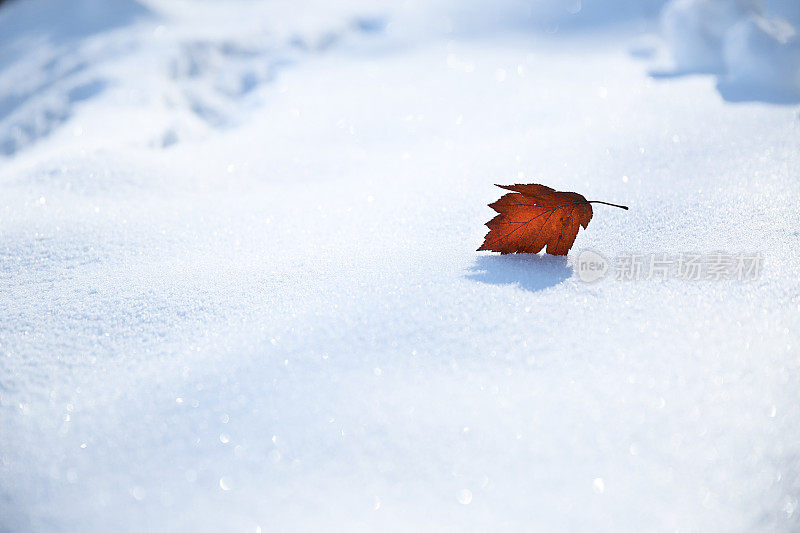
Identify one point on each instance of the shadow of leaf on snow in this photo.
(531, 272)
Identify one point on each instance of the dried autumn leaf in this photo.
(535, 216)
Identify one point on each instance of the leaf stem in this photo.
(625, 207)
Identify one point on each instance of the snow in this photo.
(240, 292)
(754, 47)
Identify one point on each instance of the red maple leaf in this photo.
(535, 216)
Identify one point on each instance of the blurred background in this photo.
(751, 46)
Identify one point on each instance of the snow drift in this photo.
(753, 47)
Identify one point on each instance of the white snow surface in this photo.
(754, 46)
(239, 289)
